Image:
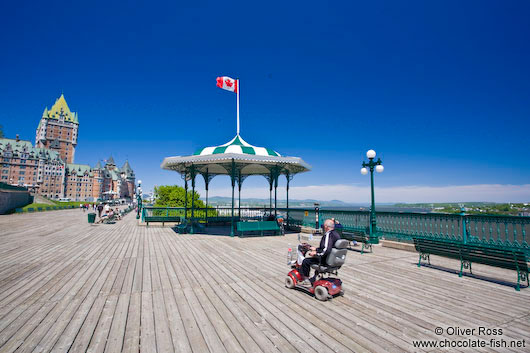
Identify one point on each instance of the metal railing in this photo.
(502, 231)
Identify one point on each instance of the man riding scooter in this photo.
(319, 255)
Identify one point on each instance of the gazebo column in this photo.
(192, 198)
(288, 177)
(239, 202)
(240, 180)
(206, 182)
(275, 194)
(186, 196)
(233, 177)
(271, 181)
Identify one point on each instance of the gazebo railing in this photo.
(199, 214)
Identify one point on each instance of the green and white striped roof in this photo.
(247, 159)
(238, 146)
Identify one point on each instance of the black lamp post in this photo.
(139, 199)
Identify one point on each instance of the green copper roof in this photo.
(79, 169)
(22, 146)
(111, 161)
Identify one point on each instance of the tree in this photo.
(174, 196)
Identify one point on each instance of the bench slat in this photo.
(259, 226)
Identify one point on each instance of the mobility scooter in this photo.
(323, 288)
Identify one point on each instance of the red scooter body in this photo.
(323, 288)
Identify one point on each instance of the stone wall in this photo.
(11, 199)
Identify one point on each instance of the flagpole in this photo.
(238, 89)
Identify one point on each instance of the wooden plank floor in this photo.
(69, 286)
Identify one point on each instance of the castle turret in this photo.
(129, 176)
(58, 130)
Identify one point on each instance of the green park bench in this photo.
(468, 253)
(221, 219)
(31, 209)
(260, 226)
(295, 224)
(39, 209)
(160, 219)
(109, 220)
(19, 210)
(182, 228)
(359, 236)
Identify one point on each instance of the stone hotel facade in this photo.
(48, 168)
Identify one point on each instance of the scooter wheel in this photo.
(289, 283)
(321, 293)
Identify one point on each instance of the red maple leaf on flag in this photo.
(228, 83)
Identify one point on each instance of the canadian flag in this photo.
(227, 83)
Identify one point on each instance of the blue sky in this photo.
(441, 90)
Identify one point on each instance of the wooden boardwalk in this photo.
(68, 286)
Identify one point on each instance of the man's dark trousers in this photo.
(306, 265)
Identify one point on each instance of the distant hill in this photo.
(225, 201)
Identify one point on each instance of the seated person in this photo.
(103, 217)
(319, 254)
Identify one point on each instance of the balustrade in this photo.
(505, 231)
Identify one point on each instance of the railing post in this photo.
(317, 216)
(464, 224)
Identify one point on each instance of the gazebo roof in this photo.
(238, 146)
(238, 154)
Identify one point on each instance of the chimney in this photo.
(18, 138)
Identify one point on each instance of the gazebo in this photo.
(237, 159)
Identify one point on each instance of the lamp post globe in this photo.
(364, 171)
(370, 154)
(379, 168)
